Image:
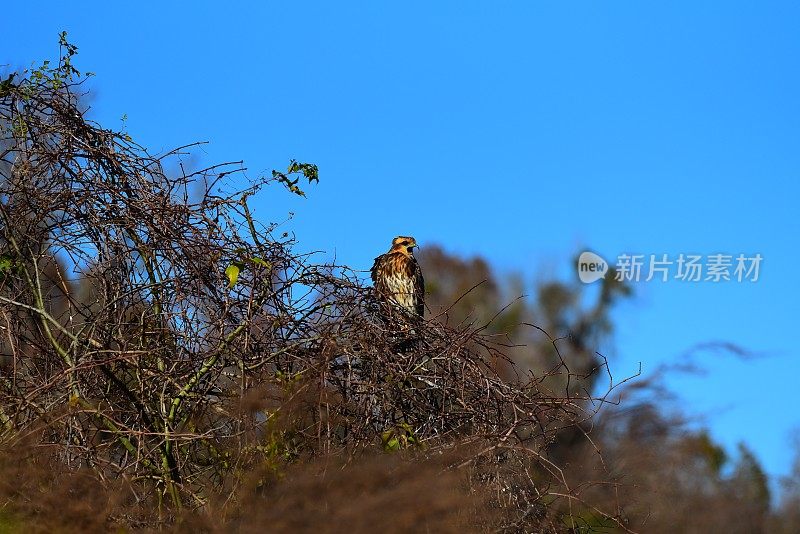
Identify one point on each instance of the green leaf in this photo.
(232, 272)
(260, 262)
(309, 170)
(390, 441)
(8, 265)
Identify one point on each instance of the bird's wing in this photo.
(419, 290)
(375, 269)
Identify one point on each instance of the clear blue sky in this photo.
(521, 131)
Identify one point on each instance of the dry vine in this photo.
(153, 330)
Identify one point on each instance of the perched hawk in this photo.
(398, 278)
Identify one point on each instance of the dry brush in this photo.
(155, 333)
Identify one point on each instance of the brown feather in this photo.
(398, 278)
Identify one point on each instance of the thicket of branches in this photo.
(155, 333)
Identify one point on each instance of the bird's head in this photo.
(404, 244)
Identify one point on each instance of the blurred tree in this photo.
(671, 478)
(786, 517)
(466, 292)
(749, 484)
(554, 335)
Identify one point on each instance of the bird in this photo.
(398, 279)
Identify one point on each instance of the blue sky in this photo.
(522, 131)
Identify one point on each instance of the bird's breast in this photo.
(399, 282)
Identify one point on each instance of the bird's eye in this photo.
(404, 243)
